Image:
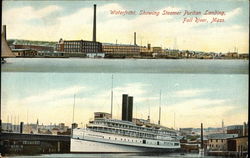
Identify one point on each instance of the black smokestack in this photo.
(149, 46)
(94, 24)
(21, 127)
(4, 32)
(135, 38)
(201, 135)
(130, 108)
(124, 107)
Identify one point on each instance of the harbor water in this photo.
(79, 65)
(132, 155)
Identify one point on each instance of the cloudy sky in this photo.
(52, 20)
(192, 98)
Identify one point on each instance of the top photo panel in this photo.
(132, 36)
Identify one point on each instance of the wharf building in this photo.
(219, 141)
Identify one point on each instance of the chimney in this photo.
(135, 38)
(149, 46)
(124, 107)
(130, 108)
(4, 32)
(244, 129)
(21, 127)
(201, 135)
(94, 24)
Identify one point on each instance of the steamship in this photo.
(106, 135)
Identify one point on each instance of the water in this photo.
(134, 155)
(125, 65)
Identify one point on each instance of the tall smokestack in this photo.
(21, 127)
(130, 108)
(135, 38)
(125, 107)
(4, 32)
(201, 135)
(149, 46)
(94, 24)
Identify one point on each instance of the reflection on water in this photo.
(132, 155)
(125, 65)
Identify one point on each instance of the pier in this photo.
(17, 143)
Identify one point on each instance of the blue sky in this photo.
(194, 98)
(52, 20)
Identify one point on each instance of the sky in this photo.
(72, 20)
(186, 99)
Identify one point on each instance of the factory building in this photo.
(146, 51)
(120, 50)
(80, 47)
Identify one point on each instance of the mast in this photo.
(159, 122)
(112, 97)
(174, 120)
(74, 109)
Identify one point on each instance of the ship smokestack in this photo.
(135, 38)
(130, 109)
(124, 107)
(127, 107)
(94, 24)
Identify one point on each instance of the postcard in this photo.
(124, 78)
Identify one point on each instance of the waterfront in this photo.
(126, 65)
(132, 155)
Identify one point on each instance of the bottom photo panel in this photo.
(124, 114)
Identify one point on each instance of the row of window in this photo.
(134, 128)
(145, 142)
(220, 147)
(82, 43)
(216, 140)
(79, 46)
(120, 47)
(31, 142)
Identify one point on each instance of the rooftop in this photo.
(112, 44)
(221, 136)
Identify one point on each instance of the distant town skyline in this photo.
(186, 100)
(73, 20)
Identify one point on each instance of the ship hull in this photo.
(88, 146)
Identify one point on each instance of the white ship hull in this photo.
(95, 142)
(86, 146)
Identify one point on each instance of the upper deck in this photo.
(131, 129)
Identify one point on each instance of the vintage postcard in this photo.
(116, 78)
